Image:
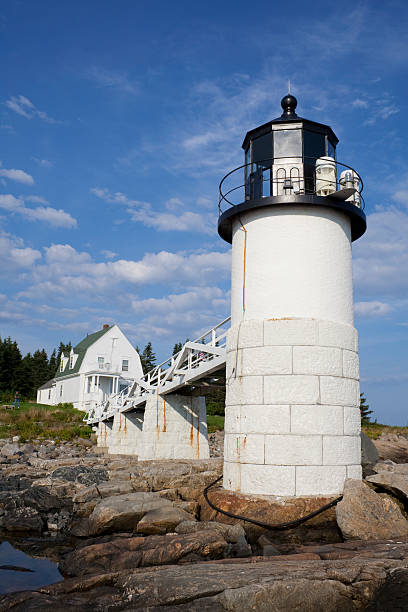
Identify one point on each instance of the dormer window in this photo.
(71, 361)
(101, 361)
(62, 363)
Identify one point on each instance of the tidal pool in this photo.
(20, 572)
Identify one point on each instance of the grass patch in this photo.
(215, 422)
(38, 421)
(374, 430)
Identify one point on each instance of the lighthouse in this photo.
(291, 213)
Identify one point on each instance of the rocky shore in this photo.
(132, 535)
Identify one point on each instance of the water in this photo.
(42, 571)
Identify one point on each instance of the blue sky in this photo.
(117, 121)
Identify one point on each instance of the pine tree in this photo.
(63, 348)
(177, 348)
(24, 381)
(10, 359)
(147, 357)
(52, 364)
(40, 371)
(364, 410)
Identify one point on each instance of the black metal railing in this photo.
(297, 175)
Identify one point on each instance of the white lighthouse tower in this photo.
(292, 425)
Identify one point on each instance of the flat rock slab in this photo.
(129, 553)
(395, 482)
(365, 515)
(322, 528)
(302, 585)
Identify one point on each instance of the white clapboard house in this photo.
(101, 364)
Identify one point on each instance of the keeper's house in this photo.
(101, 364)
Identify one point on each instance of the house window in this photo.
(49, 394)
(71, 362)
(101, 361)
(62, 365)
(89, 383)
(125, 365)
(61, 391)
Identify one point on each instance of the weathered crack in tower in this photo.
(292, 425)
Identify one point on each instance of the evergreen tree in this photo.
(40, 369)
(177, 348)
(147, 357)
(365, 410)
(63, 348)
(24, 382)
(52, 364)
(10, 360)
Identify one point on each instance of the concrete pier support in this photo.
(175, 427)
(104, 435)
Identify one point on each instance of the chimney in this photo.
(106, 326)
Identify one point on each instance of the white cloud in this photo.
(24, 107)
(109, 254)
(44, 163)
(374, 308)
(52, 216)
(17, 175)
(380, 261)
(13, 254)
(111, 79)
(162, 221)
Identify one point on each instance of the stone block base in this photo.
(292, 418)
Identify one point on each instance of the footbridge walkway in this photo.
(199, 365)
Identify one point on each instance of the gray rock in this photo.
(10, 449)
(364, 515)
(161, 520)
(123, 512)
(80, 473)
(395, 482)
(231, 533)
(369, 453)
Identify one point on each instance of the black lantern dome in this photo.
(291, 160)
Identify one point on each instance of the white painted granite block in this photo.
(320, 479)
(317, 360)
(244, 390)
(350, 364)
(290, 332)
(291, 389)
(265, 360)
(232, 423)
(293, 450)
(268, 480)
(352, 421)
(242, 448)
(336, 334)
(355, 472)
(267, 419)
(339, 391)
(341, 450)
(245, 334)
(232, 476)
(317, 420)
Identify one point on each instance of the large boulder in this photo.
(123, 512)
(363, 514)
(322, 528)
(129, 553)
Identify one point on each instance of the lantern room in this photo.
(287, 160)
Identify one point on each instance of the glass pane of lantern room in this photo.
(314, 146)
(287, 143)
(262, 150)
(331, 150)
